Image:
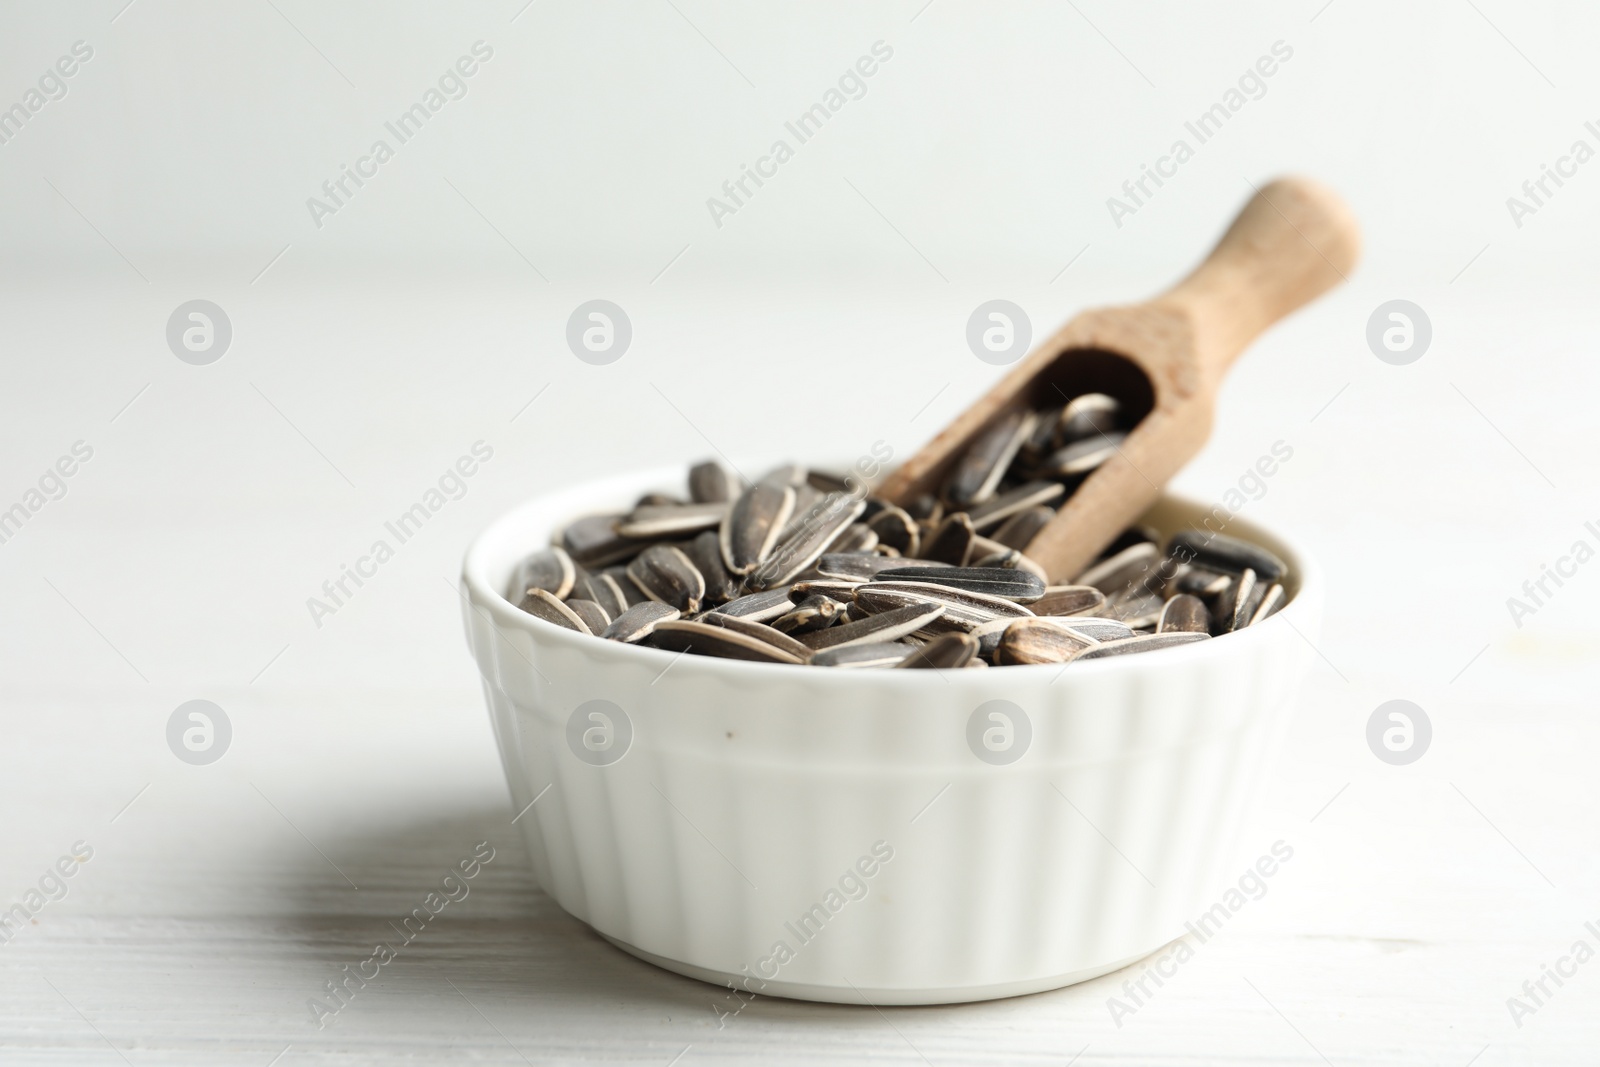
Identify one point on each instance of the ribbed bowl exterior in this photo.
(754, 796)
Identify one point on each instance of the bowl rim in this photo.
(482, 596)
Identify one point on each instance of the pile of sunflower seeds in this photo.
(801, 567)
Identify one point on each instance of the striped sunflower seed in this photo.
(857, 537)
(947, 651)
(1089, 415)
(1093, 627)
(815, 612)
(672, 520)
(594, 617)
(843, 592)
(866, 654)
(602, 589)
(1202, 582)
(997, 509)
(638, 621)
(1271, 601)
(978, 472)
(849, 568)
(963, 610)
(1220, 552)
(704, 639)
(542, 605)
(1082, 457)
(987, 553)
(1020, 586)
(1137, 608)
(550, 569)
(989, 634)
(705, 552)
(896, 528)
(1139, 643)
(631, 593)
(1243, 600)
(952, 542)
(593, 541)
(831, 515)
(758, 607)
(751, 528)
(1068, 600)
(1184, 613)
(890, 625)
(1039, 641)
(1020, 529)
(761, 632)
(712, 483)
(1115, 573)
(665, 574)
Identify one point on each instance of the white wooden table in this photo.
(220, 898)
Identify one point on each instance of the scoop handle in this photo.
(1294, 240)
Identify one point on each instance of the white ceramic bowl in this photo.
(843, 814)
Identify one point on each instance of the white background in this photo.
(369, 353)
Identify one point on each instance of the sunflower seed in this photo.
(638, 621)
(1082, 457)
(827, 482)
(1042, 441)
(889, 625)
(1019, 586)
(761, 632)
(1068, 600)
(987, 553)
(1039, 641)
(952, 541)
(659, 500)
(1139, 643)
(828, 587)
(1222, 553)
(857, 537)
(945, 651)
(1247, 594)
(705, 552)
(1117, 572)
(712, 483)
(1135, 607)
(962, 610)
(926, 508)
(1202, 582)
(631, 594)
(593, 541)
(979, 471)
(593, 615)
(550, 569)
(541, 605)
(846, 568)
(896, 528)
(997, 509)
(1271, 601)
(609, 594)
(815, 612)
(1184, 614)
(1095, 628)
(708, 640)
(1088, 415)
(758, 607)
(753, 524)
(672, 520)
(1020, 529)
(824, 522)
(989, 634)
(866, 654)
(666, 575)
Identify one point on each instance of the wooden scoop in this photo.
(1163, 360)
